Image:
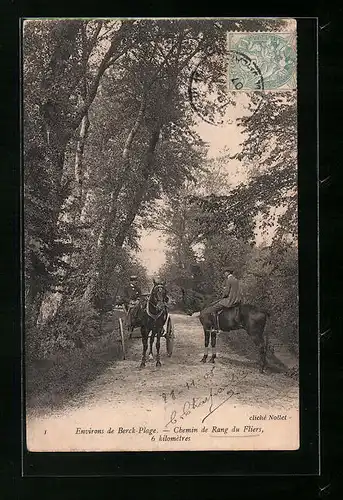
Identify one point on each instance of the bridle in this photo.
(150, 302)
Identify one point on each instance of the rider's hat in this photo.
(228, 269)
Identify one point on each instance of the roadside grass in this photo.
(52, 382)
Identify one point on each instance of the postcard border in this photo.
(305, 461)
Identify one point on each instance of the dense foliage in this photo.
(223, 222)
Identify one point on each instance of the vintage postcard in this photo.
(160, 234)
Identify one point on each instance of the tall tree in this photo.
(57, 68)
(154, 79)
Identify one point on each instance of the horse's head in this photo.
(158, 295)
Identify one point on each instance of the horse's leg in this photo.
(207, 341)
(152, 338)
(158, 343)
(213, 345)
(144, 333)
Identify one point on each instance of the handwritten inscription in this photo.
(172, 395)
(194, 383)
(212, 400)
(197, 402)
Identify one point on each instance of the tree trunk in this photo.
(33, 302)
(141, 189)
(78, 168)
(113, 206)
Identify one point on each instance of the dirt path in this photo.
(182, 391)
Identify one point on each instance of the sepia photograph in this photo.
(160, 234)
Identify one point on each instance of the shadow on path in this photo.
(54, 382)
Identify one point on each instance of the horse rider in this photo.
(231, 298)
(133, 295)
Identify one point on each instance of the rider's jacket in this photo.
(232, 292)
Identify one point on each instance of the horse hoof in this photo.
(212, 360)
(142, 365)
(158, 363)
(203, 359)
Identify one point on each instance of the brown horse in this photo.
(151, 317)
(247, 317)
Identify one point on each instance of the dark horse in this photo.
(247, 317)
(151, 318)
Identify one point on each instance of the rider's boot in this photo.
(204, 358)
(218, 325)
(213, 357)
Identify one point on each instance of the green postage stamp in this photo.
(261, 61)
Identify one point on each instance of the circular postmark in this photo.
(213, 81)
(243, 73)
